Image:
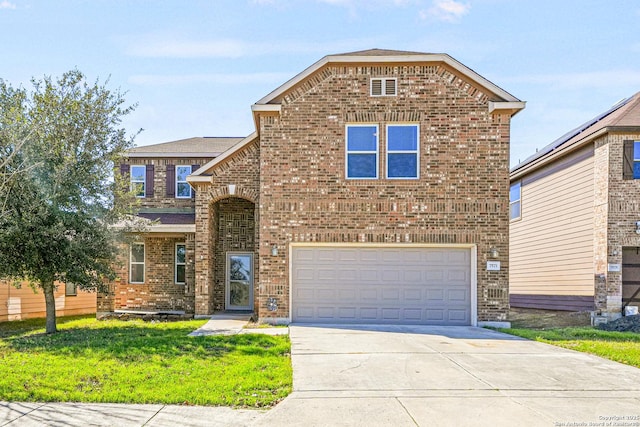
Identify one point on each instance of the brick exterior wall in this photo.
(159, 292)
(236, 177)
(160, 199)
(617, 222)
(461, 196)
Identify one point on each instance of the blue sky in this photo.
(195, 67)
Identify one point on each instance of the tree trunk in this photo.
(50, 301)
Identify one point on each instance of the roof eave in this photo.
(172, 154)
(511, 107)
(197, 176)
(519, 172)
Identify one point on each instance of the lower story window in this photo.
(136, 263)
(181, 257)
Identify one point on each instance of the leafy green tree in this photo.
(60, 196)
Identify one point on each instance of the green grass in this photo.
(621, 347)
(138, 362)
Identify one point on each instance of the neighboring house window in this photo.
(362, 152)
(515, 207)
(631, 160)
(402, 151)
(136, 263)
(183, 189)
(181, 263)
(636, 159)
(138, 180)
(70, 289)
(383, 87)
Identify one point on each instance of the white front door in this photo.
(239, 283)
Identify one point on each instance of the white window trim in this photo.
(416, 151)
(144, 180)
(383, 82)
(515, 218)
(185, 182)
(347, 152)
(176, 264)
(131, 262)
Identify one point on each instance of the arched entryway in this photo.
(234, 262)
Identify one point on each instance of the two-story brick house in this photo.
(574, 235)
(374, 190)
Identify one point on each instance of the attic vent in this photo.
(383, 87)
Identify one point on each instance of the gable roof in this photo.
(389, 56)
(624, 114)
(270, 103)
(190, 147)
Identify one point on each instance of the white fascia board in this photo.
(266, 107)
(198, 178)
(173, 155)
(513, 106)
(171, 228)
(435, 57)
(197, 175)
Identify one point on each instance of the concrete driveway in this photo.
(449, 376)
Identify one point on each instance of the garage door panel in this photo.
(381, 285)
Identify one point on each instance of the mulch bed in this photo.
(623, 324)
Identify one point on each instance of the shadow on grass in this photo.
(130, 341)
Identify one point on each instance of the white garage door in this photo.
(429, 286)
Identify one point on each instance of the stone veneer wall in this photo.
(461, 196)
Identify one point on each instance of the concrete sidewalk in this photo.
(120, 415)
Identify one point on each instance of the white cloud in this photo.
(214, 78)
(446, 10)
(5, 4)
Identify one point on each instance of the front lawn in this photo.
(621, 347)
(138, 362)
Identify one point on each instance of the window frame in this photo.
(383, 86)
(72, 293)
(143, 182)
(177, 264)
(347, 151)
(177, 181)
(513, 202)
(143, 263)
(635, 160)
(416, 151)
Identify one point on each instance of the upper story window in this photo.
(183, 189)
(138, 180)
(383, 87)
(631, 160)
(136, 263)
(515, 200)
(362, 152)
(402, 151)
(181, 263)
